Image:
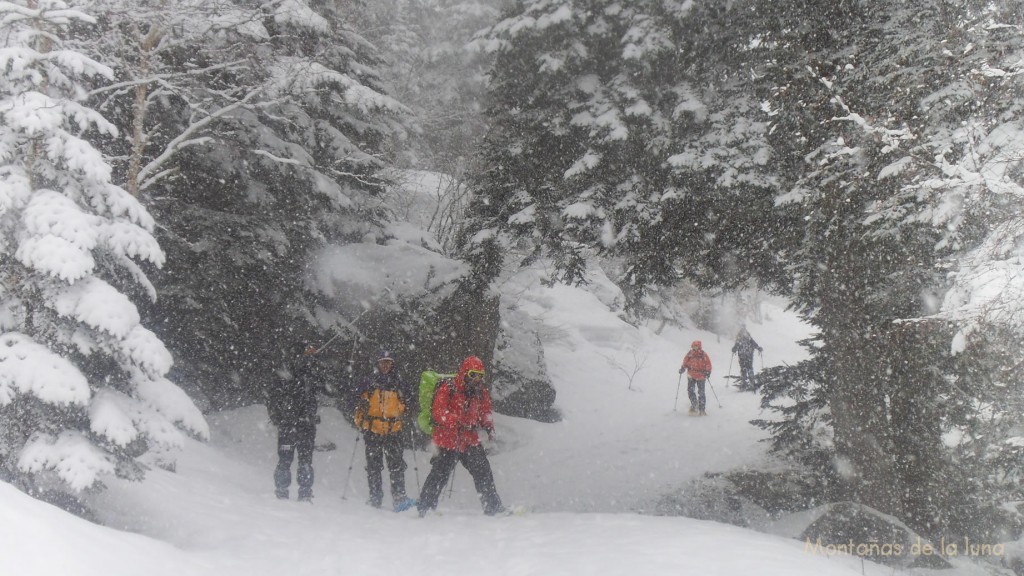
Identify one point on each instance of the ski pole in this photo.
(415, 464)
(351, 462)
(680, 383)
(451, 486)
(325, 344)
(715, 393)
(729, 373)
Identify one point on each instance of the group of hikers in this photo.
(459, 411)
(697, 366)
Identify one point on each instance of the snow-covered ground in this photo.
(581, 479)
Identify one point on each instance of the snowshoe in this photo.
(404, 504)
(509, 511)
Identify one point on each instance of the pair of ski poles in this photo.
(415, 467)
(680, 383)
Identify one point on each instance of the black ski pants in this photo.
(442, 466)
(695, 390)
(291, 439)
(747, 369)
(379, 447)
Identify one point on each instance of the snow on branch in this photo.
(892, 138)
(53, 11)
(98, 305)
(74, 458)
(171, 401)
(30, 368)
(163, 77)
(186, 138)
(266, 154)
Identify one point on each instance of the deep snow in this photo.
(582, 480)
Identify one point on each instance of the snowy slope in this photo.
(615, 451)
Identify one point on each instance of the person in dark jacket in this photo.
(461, 408)
(292, 405)
(744, 350)
(381, 402)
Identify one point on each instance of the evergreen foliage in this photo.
(611, 126)
(827, 149)
(268, 126)
(82, 386)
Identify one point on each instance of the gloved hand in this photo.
(681, 370)
(491, 435)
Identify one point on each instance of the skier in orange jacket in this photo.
(697, 364)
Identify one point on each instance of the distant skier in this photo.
(381, 402)
(744, 350)
(697, 364)
(292, 406)
(461, 407)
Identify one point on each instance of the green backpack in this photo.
(429, 380)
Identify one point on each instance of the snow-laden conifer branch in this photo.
(60, 216)
(185, 139)
(118, 86)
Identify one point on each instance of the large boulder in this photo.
(852, 529)
(712, 497)
(747, 497)
(425, 308)
(520, 383)
(781, 491)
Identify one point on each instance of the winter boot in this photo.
(498, 511)
(281, 494)
(693, 409)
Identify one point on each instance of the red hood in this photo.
(471, 363)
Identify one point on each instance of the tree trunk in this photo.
(146, 45)
(916, 415)
(857, 400)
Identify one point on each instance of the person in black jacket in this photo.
(744, 349)
(292, 405)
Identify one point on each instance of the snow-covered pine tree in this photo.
(250, 168)
(868, 106)
(622, 130)
(82, 386)
(965, 174)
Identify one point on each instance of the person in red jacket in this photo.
(697, 364)
(461, 408)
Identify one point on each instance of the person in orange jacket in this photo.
(697, 364)
(380, 408)
(461, 408)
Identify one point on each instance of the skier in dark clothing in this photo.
(381, 402)
(462, 407)
(744, 350)
(292, 405)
